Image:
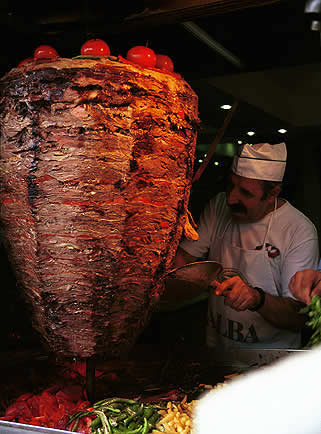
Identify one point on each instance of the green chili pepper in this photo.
(134, 431)
(130, 411)
(76, 417)
(105, 422)
(126, 431)
(132, 425)
(148, 411)
(74, 427)
(121, 417)
(113, 410)
(114, 400)
(95, 424)
(145, 427)
(136, 414)
(154, 419)
(79, 414)
(313, 311)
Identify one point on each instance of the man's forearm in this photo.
(282, 312)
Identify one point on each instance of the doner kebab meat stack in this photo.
(96, 166)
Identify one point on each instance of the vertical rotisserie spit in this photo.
(96, 166)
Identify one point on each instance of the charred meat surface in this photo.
(96, 167)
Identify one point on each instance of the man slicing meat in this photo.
(251, 229)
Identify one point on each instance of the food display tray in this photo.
(215, 364)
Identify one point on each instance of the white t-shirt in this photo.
(291, 232)
(291, 244)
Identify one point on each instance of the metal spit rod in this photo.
(90, 380)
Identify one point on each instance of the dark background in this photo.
(276, 78)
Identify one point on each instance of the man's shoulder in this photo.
(289, 211)
(299, 224)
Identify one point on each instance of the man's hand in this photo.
(282, 312)
(305, 284)
(238, 295)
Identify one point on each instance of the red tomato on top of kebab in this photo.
(95, 47)
(45, 52)
(164, 62)
(143, 56)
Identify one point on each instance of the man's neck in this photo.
(279, 202)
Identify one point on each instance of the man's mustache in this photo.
(237, 208)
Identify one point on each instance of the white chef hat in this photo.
(261, 161)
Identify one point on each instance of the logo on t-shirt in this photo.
(273, 252)
(233, 329)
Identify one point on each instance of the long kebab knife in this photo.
(214, 144)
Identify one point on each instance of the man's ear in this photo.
(274, 193)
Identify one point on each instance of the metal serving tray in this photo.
(19, 428)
